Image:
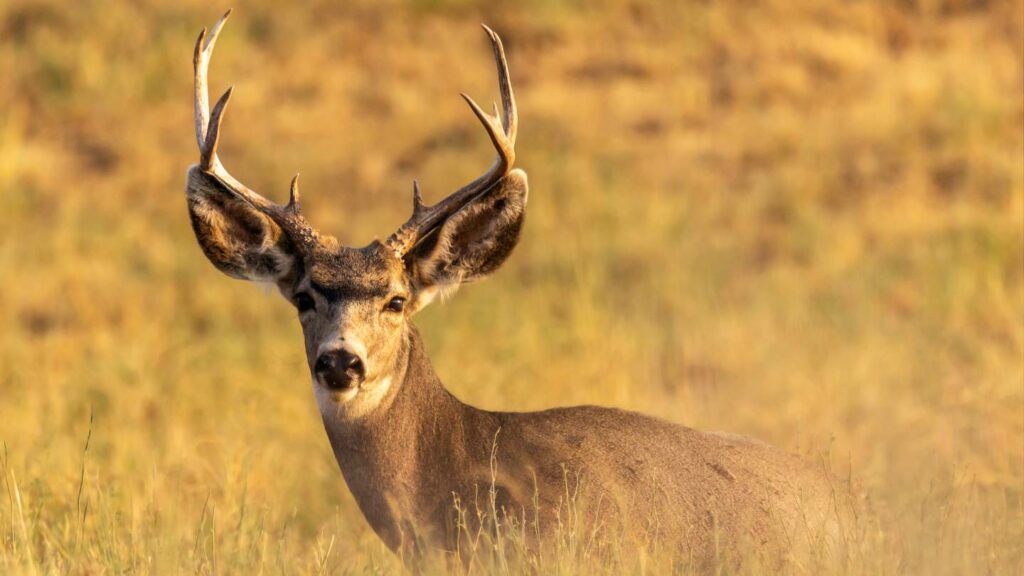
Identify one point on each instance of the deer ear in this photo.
(471, 243)
(238, 239)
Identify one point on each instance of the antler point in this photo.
(221, 105)
(293, 194)
(199, 46)
(417, 198)
(472, 104)
(495, 39)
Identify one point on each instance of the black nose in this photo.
(340, 369)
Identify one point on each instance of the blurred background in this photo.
(798, 220)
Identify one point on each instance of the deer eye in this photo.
(304, 302)
(396, 304)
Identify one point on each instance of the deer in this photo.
(409, 450)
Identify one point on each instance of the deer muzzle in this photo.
(340, 369)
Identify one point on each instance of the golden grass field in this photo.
(797, 221)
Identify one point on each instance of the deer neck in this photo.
(397, 459)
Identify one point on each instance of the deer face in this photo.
(352, 304)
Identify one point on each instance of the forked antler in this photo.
(287, 217)
(502, 131)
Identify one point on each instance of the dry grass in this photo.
(796, 221)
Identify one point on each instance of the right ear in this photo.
(239, 240)
(472, 243)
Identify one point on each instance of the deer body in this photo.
(415, 457)
(411, 465)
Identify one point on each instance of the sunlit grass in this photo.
(795, 221)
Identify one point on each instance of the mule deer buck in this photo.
(407, 448)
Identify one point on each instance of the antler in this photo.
(289, 217)
(502, 131)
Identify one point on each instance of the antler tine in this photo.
(293, 195)
(508, 101)
(208, 135)
(208, 149)
(502, 132)
(201, 63)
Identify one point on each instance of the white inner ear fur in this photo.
(445, 248)
(426, 295)
(283, 262)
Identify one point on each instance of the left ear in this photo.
(471, 243)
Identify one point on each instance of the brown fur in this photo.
(706, 495)
(410, 452)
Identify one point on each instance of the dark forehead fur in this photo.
(344, 272)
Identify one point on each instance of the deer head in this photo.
(355, 304)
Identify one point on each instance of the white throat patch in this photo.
(351, 405)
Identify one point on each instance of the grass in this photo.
(794, 220)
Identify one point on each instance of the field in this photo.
(790, 219)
